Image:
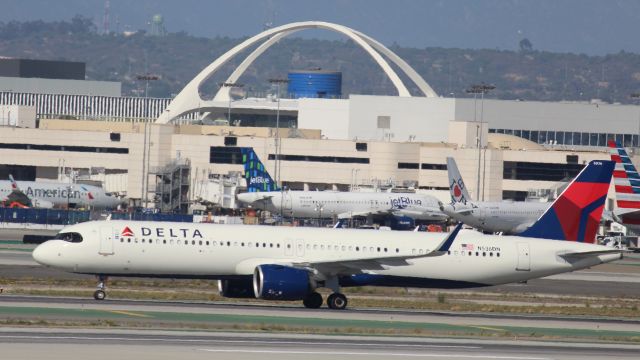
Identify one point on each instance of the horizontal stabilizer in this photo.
(586, 254)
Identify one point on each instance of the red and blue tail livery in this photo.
(576, 213)
(625, 178)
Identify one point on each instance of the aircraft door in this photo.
(524, 259)
(287, 200)
(107, 237)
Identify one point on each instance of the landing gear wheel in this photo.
(337, 301)
(99, 295)
(100, 292)
(312, 301)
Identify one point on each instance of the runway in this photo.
(18, 344)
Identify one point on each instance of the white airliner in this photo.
(265, 194)
(290, 263)
(507, 217)
(47, 195)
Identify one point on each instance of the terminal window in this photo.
(225, 155)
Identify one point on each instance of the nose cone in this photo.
(45, 253)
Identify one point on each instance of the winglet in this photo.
(458, 190)
(444, 247)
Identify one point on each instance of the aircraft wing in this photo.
(348, 215)
(360, 265)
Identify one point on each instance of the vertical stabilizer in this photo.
(255, 173)
(458, 190)
(625, 178)
(576, 213)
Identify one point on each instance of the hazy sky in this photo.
(579, 26)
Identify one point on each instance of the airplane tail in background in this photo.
(576, 213)
(625, 178)
(255, 173)
(14, 184)
(457, 188)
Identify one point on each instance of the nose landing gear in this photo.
(100, 293)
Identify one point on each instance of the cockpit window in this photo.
(69, 237)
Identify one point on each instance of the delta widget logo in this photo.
(126, 232)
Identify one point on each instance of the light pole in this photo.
(278, 82)
(230, 85)
(278, 142)
(481, 89)
(147, 78)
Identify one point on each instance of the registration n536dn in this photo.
(288, 263)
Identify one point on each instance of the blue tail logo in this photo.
(256, 175)
(576, 213)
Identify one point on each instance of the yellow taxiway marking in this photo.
(122, 312)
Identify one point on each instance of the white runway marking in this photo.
(263, 342)
(355, 353)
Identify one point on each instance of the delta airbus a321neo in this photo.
(288, 263)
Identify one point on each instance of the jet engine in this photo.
(278, 282)
(237, 288)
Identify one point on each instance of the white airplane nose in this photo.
(44, 254)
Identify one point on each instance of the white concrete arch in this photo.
(188, 100)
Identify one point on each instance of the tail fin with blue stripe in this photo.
(255, 173)
(625, 178)
(576, 213)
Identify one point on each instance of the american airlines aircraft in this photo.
(290, 263)
(627, 184)
(265, 194)
(47, 195)
(498, 216)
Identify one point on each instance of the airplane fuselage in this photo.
(181, 250)
(329, 204)
(62, 194)
(504, 217)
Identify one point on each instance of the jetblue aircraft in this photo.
(290, 263)
(499, 216)
(264, 193)
(627, 184)
(48, 195)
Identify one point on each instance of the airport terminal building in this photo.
(329, 140)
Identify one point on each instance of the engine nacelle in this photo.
(237, 288)
(278, 282)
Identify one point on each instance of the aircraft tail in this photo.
(457, 188)
(255, 173)
(576, 213)
(625, 178)
(14, 184)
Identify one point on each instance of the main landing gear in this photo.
(100, 293)
(335, 301)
